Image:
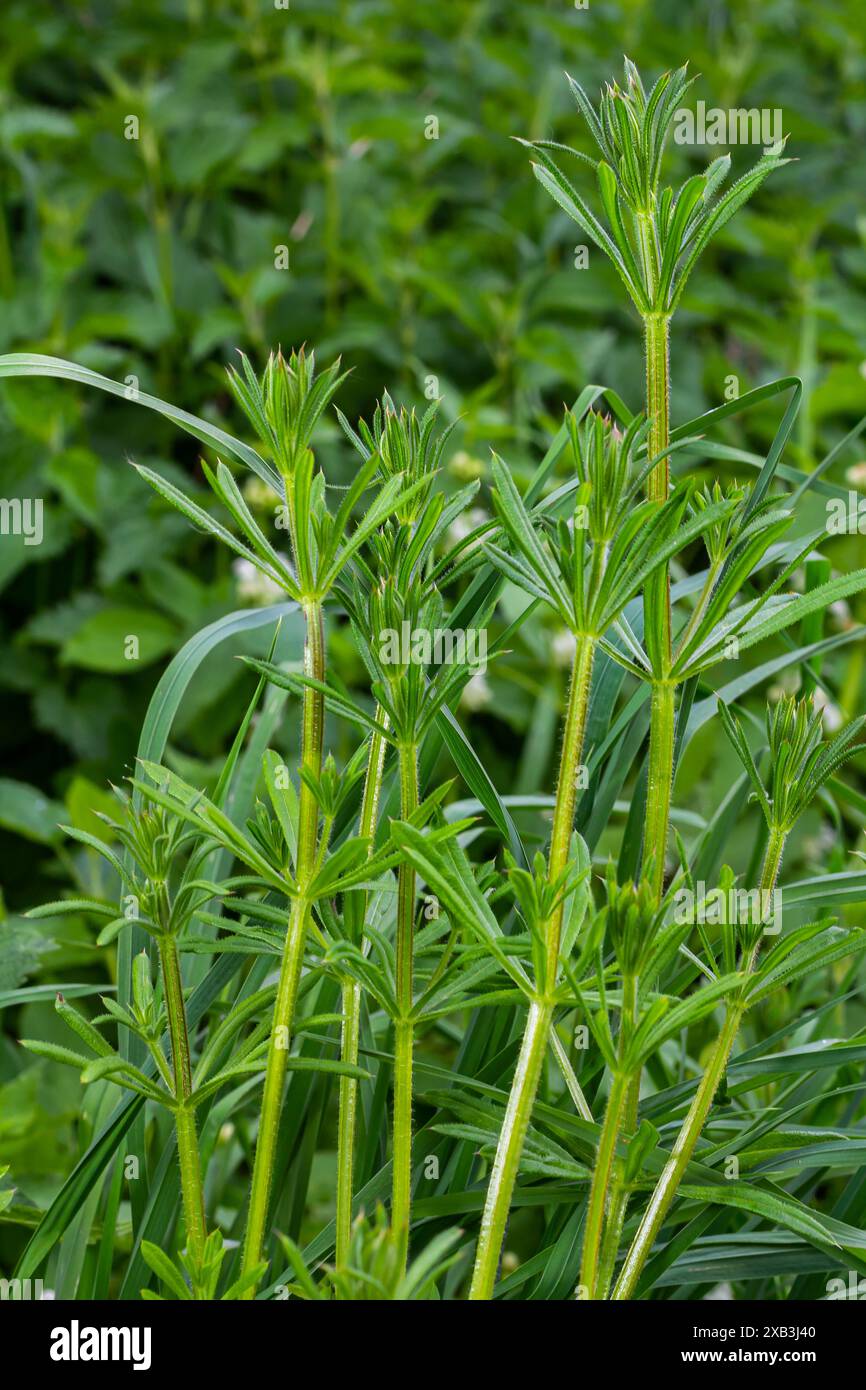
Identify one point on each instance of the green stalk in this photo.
(566, 787)
(351, 1008)
(404, 1027)
(312, 732)
(661, 746)
(503, 1176)
(660, 762)
(192, 1191)
(680, 1156)
(348, 1110)
(627, 1124)
(659, 780)
(535, 1038)
(601, 1175)
(618, 1205)
(656, 350)
(769, 875)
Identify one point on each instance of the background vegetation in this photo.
(430, 264)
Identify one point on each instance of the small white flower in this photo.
(476, 693)
(840, 612)
(786, 685)
(252, 585)
(259, 494)
(465, 467)
(833, 718)
(563, 646)
(465, 524)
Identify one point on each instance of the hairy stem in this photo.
(535, 1038)
(680, 1155)
(348, 1110)
(566, 787)
(312, 732)
(659, 780)
(617, 1209)
(661, 750)
(404, 1028)
(618, 1198)
(507, 1161)
(656, 348)
(604, 1160)
(351, 1007)
(192, 1191)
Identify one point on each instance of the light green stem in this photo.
(535, 1038)
(680, 1155)
(656, 348)
(659, 780)
(601, 1175)
(404, 1027)
(566, 788)
(661, 749)
(619, 1194)
(507, 1161)
(618, 1199)
(293, 952)
(192, 1191)
(351, 1004)
(401, 1190)
(678, 1161)
(348, 1109)
(615, 1221)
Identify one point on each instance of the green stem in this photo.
(678, 1161)
(351, 1003)
(348, 1109)
(535, 1038)
(657, 602)
(401, 1190)
(618, 1200)
(680, 1155)
(192, 1191)
(404, 1027)
(659, 780)
(656, 348)
(312, 732)
(601, 1175)
(172, 984)
(507, 1161)
(616, 1213)
(566, 787)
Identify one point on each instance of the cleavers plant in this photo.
(354, 883)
